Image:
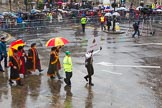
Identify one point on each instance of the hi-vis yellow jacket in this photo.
(67, 64)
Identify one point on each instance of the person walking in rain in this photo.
(89, 65)
(15, 64)
(102, 22)
(58, 62)
(3, 52)
(83, 22)
(108, 20)
(52, 68)
(67, 65)
(136, 29)
(33, 61)
(22, 55)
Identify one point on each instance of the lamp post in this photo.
(114, 17)
(10, 5)
(26, 4)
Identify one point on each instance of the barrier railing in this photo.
(44, 23)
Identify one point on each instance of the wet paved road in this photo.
(127, 74)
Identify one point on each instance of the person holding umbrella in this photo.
(67, 65)
(52, 68)
(58, 62)
(89, 65)
(57, 42)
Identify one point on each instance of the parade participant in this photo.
(108, 20)
(3, 51)
(33, 61)
(58, 63)
(67, 65)
(89, 65)
(102, 22)
(83, 22)
(52, 68)
(136, 29)
(22, 55)
(15, 64)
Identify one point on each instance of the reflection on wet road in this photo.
(127, 75)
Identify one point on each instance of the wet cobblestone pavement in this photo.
(127, 74)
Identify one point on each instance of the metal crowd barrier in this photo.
(44, 23)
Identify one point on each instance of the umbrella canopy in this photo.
(1, 16)
(14, 45)
(107, 10)
(17, 43)
(58, 41)
(139, 7)
(108, 14)
(116, 14)
(35, 11)
(159, 10)
(122, 9)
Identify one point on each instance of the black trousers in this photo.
(1, 69)
(83, 28)
(90, 71)
(68, 77)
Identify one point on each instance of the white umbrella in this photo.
(1, 16)
(122, 8)
(35, 11)
(139, 7)
(5, 13)
(159, 10)
(116, 14)
(108, 14)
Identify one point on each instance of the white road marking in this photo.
(128, 66)
(112, 72)
(104, 63)
(148, 44)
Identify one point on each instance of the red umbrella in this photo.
(58, 41)
(17, 43)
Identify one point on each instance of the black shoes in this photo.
(40, 70)
(91, 84)
(11, 82)
(60, 78)
(52, 77)
(2, 71)
(86, 78)
(19, 83)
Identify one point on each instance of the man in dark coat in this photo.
(33, 61)
(108, 20)
(136, 29)
(89, 65)
(15, 64)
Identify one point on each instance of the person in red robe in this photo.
(58, 62)
(22, 55)
(33, 61)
